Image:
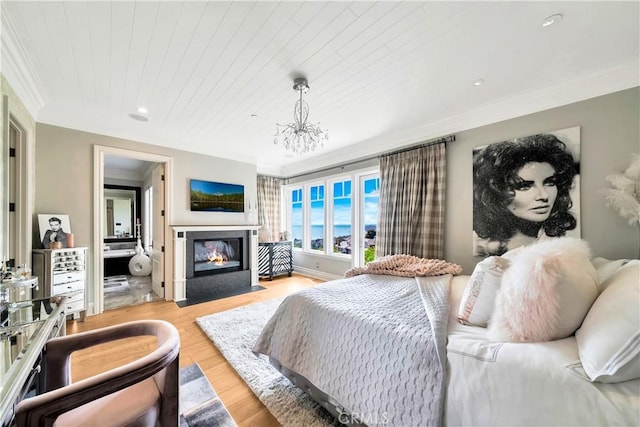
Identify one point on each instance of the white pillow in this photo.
(606, 268)
(545, 293)
(609, 338)
(480, 293)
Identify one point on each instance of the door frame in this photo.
(22, 175)
(13, 114)
(99, 152)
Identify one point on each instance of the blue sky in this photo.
(342, 211)
(342, 205)
(216, 187)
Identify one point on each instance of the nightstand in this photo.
(274, 258)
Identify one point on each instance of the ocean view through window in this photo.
(342, 217)
(296, 217)
(336, 216)
(371, 198)
(316, 202)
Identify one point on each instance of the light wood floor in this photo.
(244, 407)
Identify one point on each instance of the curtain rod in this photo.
(270, 176)
(442, 140)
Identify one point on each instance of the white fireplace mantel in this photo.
(179, 254)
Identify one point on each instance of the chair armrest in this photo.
(49, 405)
(58, 350)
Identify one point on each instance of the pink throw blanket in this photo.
(406, 266)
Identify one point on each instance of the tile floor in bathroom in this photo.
(136, 290)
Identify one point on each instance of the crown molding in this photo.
(18, 70)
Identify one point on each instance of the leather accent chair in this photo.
(143, 392)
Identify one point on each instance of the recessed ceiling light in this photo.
(478, 82)
(142, 110)
(550, 20)
(139, 117)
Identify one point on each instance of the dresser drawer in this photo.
(74, 297)
(65, 288)
(74, 306)
(69, 276)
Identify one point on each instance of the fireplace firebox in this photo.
(216, 256)
(216, 264)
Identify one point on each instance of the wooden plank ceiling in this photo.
(217, 76)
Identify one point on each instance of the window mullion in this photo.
(356, 212)
(328, 217)
(306, 209)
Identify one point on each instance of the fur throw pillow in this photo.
(545, 293)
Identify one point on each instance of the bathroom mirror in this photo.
(122, 208)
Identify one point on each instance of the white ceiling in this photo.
(116, 167)
(382, 74)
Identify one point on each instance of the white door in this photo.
(157, 236)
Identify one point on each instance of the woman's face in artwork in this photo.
(535, 193)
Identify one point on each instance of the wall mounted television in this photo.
(207, 196)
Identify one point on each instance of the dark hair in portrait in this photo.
(496, 179)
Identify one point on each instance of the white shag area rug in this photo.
(235, 332)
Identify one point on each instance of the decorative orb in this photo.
(140, 265)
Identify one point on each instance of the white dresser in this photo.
(63, 272)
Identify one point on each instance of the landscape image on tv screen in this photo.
(216, 196)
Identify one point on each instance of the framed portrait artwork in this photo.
(526, 189)
(54, 230)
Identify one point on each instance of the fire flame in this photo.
(217, 258)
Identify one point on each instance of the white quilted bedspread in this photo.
(375, 344)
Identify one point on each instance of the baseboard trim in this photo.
(315, 273)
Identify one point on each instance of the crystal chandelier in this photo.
(300, 136)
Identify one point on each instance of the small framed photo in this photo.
(54, 230)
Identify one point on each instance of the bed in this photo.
(387, 350)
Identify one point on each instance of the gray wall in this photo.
(610, 132)
(64, 180)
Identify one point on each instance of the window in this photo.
(341, 211)
(342, 217)
(316, 203)
(369, 220)
(296, 217)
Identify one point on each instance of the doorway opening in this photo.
(126, 265)
(129, 258)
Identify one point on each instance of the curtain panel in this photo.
(412, 203)
(269, 189)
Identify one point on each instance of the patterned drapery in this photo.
(412, 203)
(269, 189)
